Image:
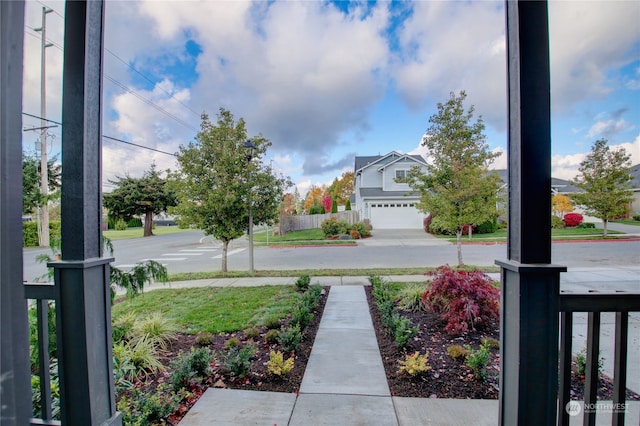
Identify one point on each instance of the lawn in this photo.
(213, 309)
(306, 236)
(556, 234)
(138, 232)
(355, 272)
(628, 222)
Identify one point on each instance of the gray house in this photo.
(386, 203)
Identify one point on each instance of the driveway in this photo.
(401, 237)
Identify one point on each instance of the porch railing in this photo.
(594, 303)
(42, 293)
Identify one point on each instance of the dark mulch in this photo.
(449, 378)
(258, 378)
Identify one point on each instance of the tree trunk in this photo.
(459, 243)
(148, 224)
(470, 232)
(604, 225)
(225, 247)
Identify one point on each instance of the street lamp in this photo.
(249, 149)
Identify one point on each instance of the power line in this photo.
(107, 137)
(139, 146)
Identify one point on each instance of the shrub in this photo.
(587, 225)
(156, 328)
(354, 234)
(362, 229)
(490, 342)
(301, 316)
(488, 227)
(457, 352)
(572, 219)
(556, 222)
(302, 283)
(465, 299)
(290, 338)
(333, 226)
(121, 225)
(347, 207)
(581, 363)
(414, 364)
(636, 217)
(477, 360)
(251, 332)
(190, 367)
(144, 357)
(122, 326)
(238, 361)
(271, 337)
(411, 297)
(30, 233)
(134, 222)
(272, 322)
(148, 407)
(233, 342)
(204, 339)
(277, 364)
(33, 335)
(334, 206)
(402, 331)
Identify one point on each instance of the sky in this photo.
(325, 81)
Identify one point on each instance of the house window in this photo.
(401, 174)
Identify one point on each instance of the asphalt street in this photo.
(191, 251)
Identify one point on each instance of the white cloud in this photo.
(451, 46)
(607, 128)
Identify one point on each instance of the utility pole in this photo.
(44, 178)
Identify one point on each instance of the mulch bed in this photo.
(259, 378)
(449, 378)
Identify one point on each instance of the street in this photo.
(191, 251)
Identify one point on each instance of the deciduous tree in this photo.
(457, 189)
(604, 177)
(561, 204)
(314, 196)
(148, 196)
(342, 188)
(31, 195)
(216, 182)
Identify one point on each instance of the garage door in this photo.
(398, 215)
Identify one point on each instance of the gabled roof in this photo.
(561, 185)
(414, 158)
(362, 162)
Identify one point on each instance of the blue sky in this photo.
(326, 81)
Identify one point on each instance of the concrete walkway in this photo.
(345, 383)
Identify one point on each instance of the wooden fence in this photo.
(311, 221)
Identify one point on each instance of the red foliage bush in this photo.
(465, 299)
(572, 219)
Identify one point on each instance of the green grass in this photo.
(628, 222)
(213, 309)
(306, 236)
(186, 276)
(138, 232)
(556, 234)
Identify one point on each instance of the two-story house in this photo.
(378, 197)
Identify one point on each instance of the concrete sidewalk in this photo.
(345, 383)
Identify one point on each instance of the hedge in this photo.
(30, 233)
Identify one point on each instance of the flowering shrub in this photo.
(572, 219)
(414, 364)
(465, 299)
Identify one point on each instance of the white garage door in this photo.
(395, 215)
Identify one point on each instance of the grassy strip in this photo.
(627, 222)
(187, 276)
(556, 234)
(138, 232)
(306, 236)
(213, 309)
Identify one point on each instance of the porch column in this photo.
(530, 283)
(83, 306)
(15, 375)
